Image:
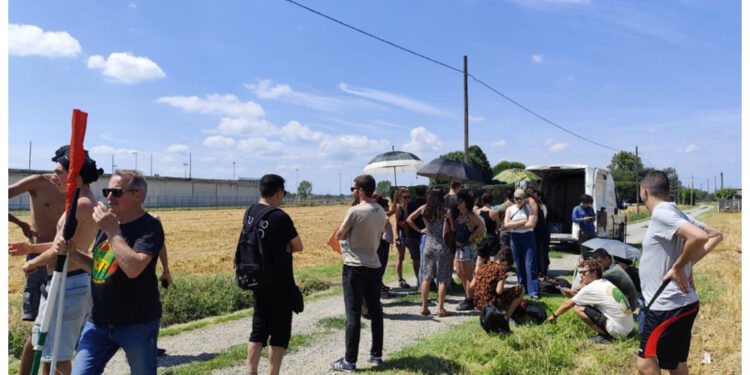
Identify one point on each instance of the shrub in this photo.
(311, 285)
(198, 297)
(18, 332)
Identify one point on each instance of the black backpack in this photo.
(248, 258)
(529, 311)
(493, 320)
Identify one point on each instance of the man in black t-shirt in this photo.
(125, 309)
(414, 238)
(272, 316)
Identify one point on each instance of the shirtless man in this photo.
(46, 204)
(78, 285)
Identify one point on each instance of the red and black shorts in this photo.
(666, 335)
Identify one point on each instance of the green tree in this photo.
(304, 189)
(383, 188)
(726, 193)
(622, 167)
(507, 164)
(477, 158)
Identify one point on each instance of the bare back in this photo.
(87, 229)
(46, 204)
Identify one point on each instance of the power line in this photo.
(447, 66)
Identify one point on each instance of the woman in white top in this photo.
(520, 220)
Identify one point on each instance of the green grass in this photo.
(557, 254)
(560, 348)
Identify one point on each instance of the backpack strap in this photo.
(656, 295)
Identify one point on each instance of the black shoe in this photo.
(465, 305)
(601, 339)
(403, 284)
(161, 352)
(384, 288)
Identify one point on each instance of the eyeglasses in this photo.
(585, 272)
(353, 188)
(117, 193)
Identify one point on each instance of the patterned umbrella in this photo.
(394, 161)
(513, 175)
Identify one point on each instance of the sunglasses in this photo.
(117, 193)
(353, 188)
(585, 272)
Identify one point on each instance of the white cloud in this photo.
(548, 141)
(570, 78)
(346, 146)
(499, 143)
(109, 150)
(259, 146)
(126, 68)
(133, 6)
(178, 148)
(294, 131)
(219, 141)
(558, 147)
(215, 104)
(476, 118)
(266, 89)
(691, 148)
(397, 100)
(422, 141)
(246, 126)
(31, 40)
(537, 58)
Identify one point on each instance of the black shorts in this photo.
(666, 335)
(597, 317)
(272, 317)
(489, 247)
(413, 245)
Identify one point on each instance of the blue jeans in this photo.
(99, 344)
(421, 253)
(524, 254)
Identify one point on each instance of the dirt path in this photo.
(403, 325)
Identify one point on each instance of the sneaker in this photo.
(536, 297)
(377, 361)
(161, 352)
(601, 339)
(403, 284)
(342, 365)
(465, 305)
(384, 288)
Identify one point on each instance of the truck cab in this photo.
(563, 184)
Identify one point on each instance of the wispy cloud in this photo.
(570, 78)
(31, 40)
(215, 104)
(132, 6)
(537, 58)
(500, 143)
(178, 148)
(557, 147)
(266, 89)
(394, 99)
(690, 148)
(125, 68)
(473, 118)
(348, 147)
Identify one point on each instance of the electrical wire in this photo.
(447, 66)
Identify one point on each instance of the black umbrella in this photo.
(451, 170)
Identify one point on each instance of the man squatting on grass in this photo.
(126, 309)
(673, 244)
(272, 316)
(600, 304)
(77, 288)
(360, 276)
(46, 204)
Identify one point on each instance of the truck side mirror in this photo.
(623, 205)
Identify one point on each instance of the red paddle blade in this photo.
(77, 155)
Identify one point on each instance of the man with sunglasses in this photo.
(126, 309)
(77, 287)
(600, 304)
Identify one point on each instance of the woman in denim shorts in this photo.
(470, 232)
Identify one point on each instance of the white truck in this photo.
(563, 184)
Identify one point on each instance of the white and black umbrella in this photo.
(393, 161)
(451, 170)
(614, 248)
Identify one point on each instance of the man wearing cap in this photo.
(600, 304)
(77, 287)
(616, 275)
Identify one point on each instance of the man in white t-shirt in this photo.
(600, 304)
(360, 276)
(673, 244)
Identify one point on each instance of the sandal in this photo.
(443, 313)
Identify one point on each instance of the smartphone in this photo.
(164, 284)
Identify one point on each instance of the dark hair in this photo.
(509, 195)
(434, 207)
(465, 196)
(381, 201)
(506, 252)
(657, 184)
(270, 184)
(487, 198)
(592, 265)
(585, 198)
(420, 190)
(455, 185)
(89, 173)
(366, 182)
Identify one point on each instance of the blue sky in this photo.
(276, 89)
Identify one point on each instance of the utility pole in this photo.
(185, 165)
(191, 165)
(637, 187)
(113, 164)
(692, 187)
(339, 183)
(152, 165)
(722, 179)
(707, 185)
(466, 111)
(233, 170)
(714, 183)
(29, 155)
(136, 160)
(297, 195)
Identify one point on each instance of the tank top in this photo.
(490, 224)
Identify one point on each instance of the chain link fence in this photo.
(730, 205)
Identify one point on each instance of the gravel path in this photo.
(403, 325)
